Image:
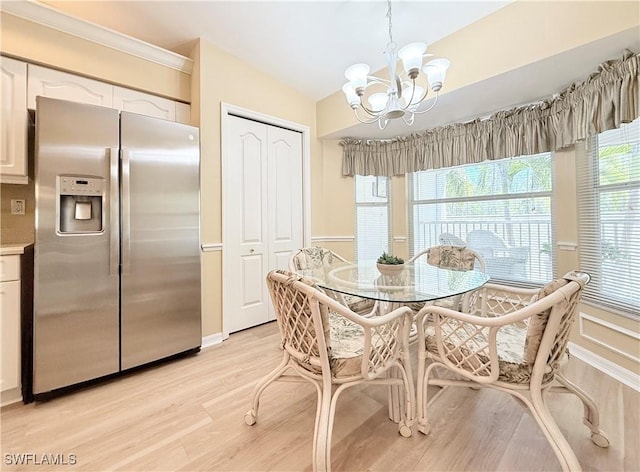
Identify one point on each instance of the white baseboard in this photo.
(13, 395)
(613, 370)
(211, 340)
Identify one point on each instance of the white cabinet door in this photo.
(144, 104)
(13, 157)
(55, 84)
(10, 334)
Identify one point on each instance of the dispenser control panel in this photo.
(80, 186)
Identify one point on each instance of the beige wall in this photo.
(223, 78)
(17, 228)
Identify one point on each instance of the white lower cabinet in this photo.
(10, 293)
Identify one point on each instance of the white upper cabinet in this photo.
(55, 84)
(183, 113)
(144, 104)
(13, 146)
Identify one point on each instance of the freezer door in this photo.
(160, 239)
(76, 317)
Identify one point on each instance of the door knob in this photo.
(252, 251)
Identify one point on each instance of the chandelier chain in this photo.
(390, 22)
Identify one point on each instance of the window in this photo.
(372, 217)
(501, 209)
(609, 217)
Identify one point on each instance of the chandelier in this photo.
(403, 97)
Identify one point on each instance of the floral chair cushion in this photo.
(538, 322)
(451, 257)
(313, 257)
(347, 346)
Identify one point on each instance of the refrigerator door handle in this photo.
(126, 211)
(114, 211)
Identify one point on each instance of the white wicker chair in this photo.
(320, 257)
(449, 256)
(334, 348)
(512, 340)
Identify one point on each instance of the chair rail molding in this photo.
(211, 247)
(333, 239)
(51, 18)
(567, 245)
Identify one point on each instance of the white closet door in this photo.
(284, 196)
(263, 215)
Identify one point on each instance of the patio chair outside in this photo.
(503, 261)
(449, 239)
(334, 348)
(513, 340)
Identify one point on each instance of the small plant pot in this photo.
(390, 269)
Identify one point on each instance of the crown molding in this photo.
(51, 18)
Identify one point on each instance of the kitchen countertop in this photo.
(10, 249)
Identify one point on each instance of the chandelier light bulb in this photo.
(415, 94)
(357, 75)
(436, 71)
(378, 101)
(352, 96)
(411, 56)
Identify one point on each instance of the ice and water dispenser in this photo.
(80, 203)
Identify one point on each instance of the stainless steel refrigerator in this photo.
(117, 250)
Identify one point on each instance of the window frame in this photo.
(386, 204)
(591, 231)
(550, 194)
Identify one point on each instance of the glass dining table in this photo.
(416, 282)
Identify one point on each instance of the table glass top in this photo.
(416, 282)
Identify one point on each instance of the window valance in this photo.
(607, 98)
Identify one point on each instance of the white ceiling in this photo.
(309, 44)
(305, 44)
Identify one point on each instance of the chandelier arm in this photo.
(409, 122)
(382, 123)
(378, 80)
(366, 122)
(369, 111)
(435, 100)
(413, 91)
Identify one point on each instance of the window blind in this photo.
(373, 216)
(501, 209)
(608, 178)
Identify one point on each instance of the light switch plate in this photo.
(17, 207)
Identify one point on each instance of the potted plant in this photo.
(390, 265)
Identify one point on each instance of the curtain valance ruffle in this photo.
(607, 98)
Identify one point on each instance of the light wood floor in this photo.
(188, 415)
